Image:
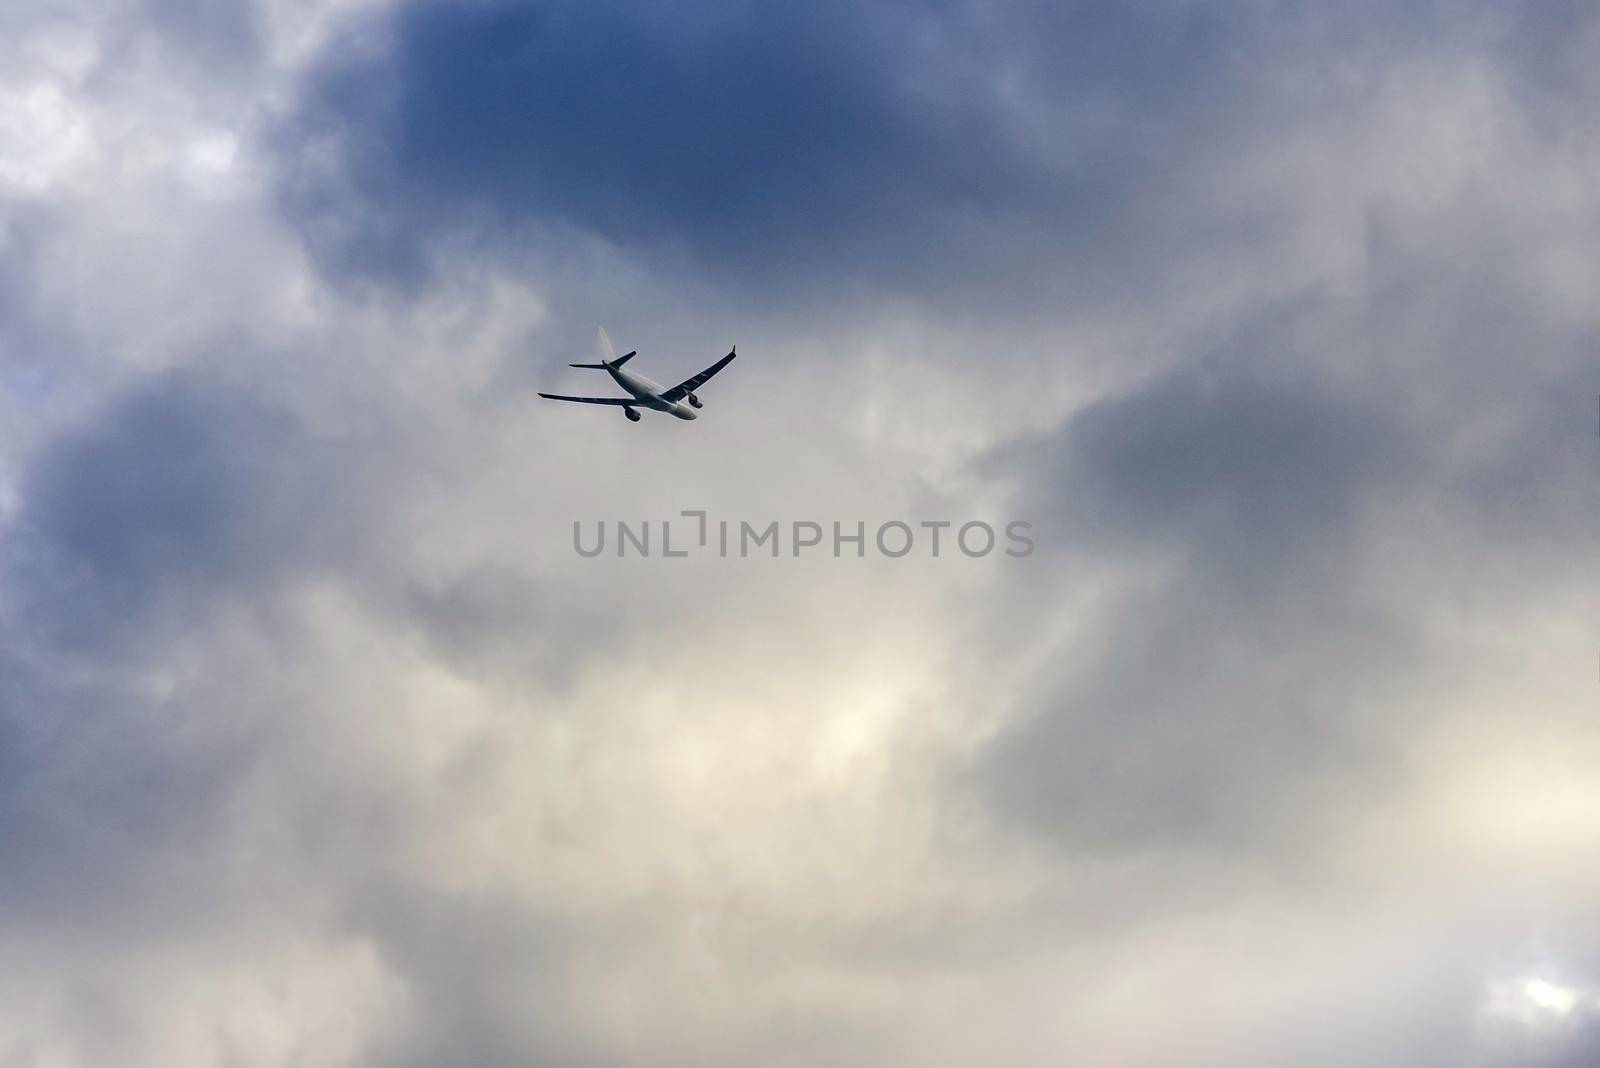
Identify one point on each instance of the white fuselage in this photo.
(648, 393)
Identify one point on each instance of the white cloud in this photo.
(44, 138)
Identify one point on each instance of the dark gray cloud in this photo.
(1234, 491)
(909, 143)
(220, 36)
(487, 973)
(181, 491)
(1286, 509)
(740, 135)
(1075, 154)
(161, 516)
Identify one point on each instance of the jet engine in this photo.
(633, 416)
(694, 402)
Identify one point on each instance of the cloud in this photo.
(1232, 495)
(914, 145)
(318, 743)
(743, 136)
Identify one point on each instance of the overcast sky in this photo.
(320, 744)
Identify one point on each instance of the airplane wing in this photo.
(689, 385)
(592, 400)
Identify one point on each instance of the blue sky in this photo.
(319, 744)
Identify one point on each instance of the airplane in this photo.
(679, 400)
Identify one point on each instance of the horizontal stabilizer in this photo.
(617, 362)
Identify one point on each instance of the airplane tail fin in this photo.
(609, 357)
